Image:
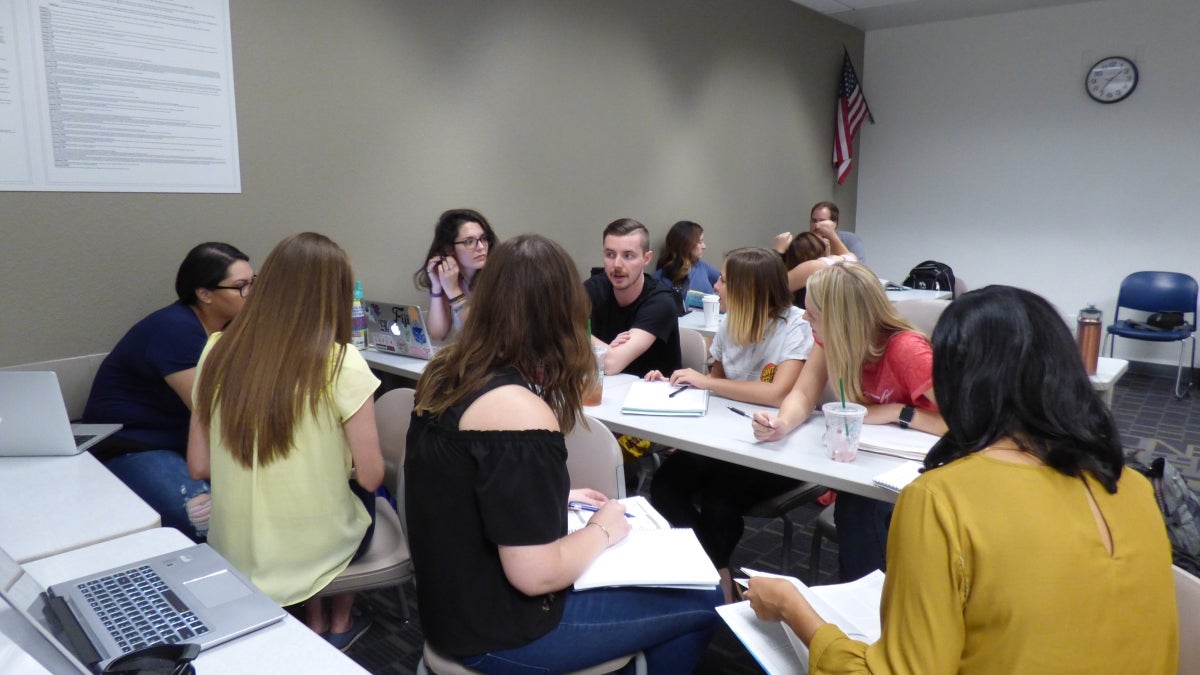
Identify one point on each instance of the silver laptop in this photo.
(192, 595)
(33, 418)
(398, 329)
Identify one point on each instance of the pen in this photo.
(681, 388)
(584, 506)
(745, 414)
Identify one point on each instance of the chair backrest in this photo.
(1187, 601)
(594, 459)
(923, 313)
(960, 286)
(1159, 292)
(393, 412)
(693, 351)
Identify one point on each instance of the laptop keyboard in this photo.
(138, 609)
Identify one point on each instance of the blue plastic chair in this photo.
(1158, 292)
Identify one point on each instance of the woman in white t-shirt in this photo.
(758, 354)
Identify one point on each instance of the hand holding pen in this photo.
(765, 425)
(608, 518)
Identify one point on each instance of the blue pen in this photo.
(584, 506)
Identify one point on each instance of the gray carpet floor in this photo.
(1147, 415)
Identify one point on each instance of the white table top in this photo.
(395, 364)
(695, 321)
(50, 505)
(285, 647)
(724, 435)
(1108, 371)
(917, 294)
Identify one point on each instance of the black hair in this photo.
(204, 266)
(1005, 365)
(444, 234)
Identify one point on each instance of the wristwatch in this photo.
(906, 416)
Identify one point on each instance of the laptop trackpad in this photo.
(217, 589)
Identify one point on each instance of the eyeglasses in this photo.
(471, 242)
(242, 290)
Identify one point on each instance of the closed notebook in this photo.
(889, 439)
(654, 398)
(896, 478)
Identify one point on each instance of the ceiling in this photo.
(870, 15)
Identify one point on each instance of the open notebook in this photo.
(652, 554)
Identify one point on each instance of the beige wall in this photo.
(364, 119)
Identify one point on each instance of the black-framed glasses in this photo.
(242, 290)
(471, 242)
(160, 659)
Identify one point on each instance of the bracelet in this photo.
(602, 529)
(460, 296)
(435, 295)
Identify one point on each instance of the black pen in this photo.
(741, 412)
(681, 388)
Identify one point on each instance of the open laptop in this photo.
(192, 595)
(33, 418)
(398, 329)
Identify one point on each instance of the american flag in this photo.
(851, 110)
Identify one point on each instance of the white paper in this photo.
(889, 439)
(654, 398)
(897, 478)
(765, 640)
(652, 558)
(644, 516)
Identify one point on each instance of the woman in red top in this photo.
(885, 364)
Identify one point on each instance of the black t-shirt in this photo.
(466, 493)
(653, 311)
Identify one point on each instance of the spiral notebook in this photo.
(663, 398)
(896, 478)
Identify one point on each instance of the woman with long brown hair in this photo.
(680, 265)
(487, 491)
(284, 416)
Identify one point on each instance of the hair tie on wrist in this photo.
(602, 529)
(435, 295)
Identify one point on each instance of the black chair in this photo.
(1158, 292)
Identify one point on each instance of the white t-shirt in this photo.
(789, 339)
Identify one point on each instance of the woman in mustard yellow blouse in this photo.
(1025, 547)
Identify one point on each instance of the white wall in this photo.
(988, 155)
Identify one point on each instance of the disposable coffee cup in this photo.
(843, 425)
(596, 394)
(712, 310)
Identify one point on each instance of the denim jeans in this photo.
(862, 531)
(160, 478)
(671, 626)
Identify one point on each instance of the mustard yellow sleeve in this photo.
(924, 595)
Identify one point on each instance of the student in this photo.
(488, 489)
(632, 315)
(145, 384)
(680, 266)
(827, 213)
(810, 252)
(283, 413)
(1025, 547)
(759, 352)
(885, 364)
(461, 241)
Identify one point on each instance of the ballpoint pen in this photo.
(741, 412)
(681, 388)
(584, 506)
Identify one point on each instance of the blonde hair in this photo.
(857, 319)
(757, 289)
(529, 313)
(273, 360)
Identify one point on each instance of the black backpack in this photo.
(931, 275)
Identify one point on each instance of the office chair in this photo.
(594, 459)
(780, 506)
(693, 350)
(1158, 292)
(825, 529)
(1187, 602)
(387, 561)
(923, 314)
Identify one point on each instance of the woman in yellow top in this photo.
(1025, 547)
(283, 410)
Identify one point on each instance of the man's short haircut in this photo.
(833, 210)
(625, 226)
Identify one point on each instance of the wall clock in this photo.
(1112, 79)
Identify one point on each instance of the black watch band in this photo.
(906, 416)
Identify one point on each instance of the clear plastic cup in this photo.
(843, 424)
(596, 394)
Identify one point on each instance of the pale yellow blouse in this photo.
(995, 567)
(292, 526)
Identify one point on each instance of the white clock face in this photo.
(1111, 79)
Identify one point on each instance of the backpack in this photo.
(1180, 507)
(931, 275)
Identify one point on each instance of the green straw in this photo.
(842, 389)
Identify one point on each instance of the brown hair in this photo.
(676, 258)
(280, 353)
(626, 226)
(756, 282)
(804, 247)
(529, 313)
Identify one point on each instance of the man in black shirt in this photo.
(632, 315)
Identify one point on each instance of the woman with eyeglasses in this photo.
(284, 410)
(145, 384)
(1026, 546)
(487, 492)
(461, 242)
